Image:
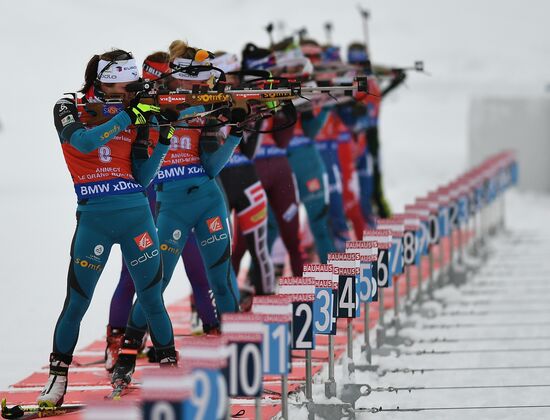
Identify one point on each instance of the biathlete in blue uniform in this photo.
(189, 198)
(110, 179)
(203, 313)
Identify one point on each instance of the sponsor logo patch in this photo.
(144, 257)
(98, 250)
(214, 238)
(67, 120)
(313, 185)
(86, 264)
(176, 234)
(214, 224)
(171, 249)
(143, 241)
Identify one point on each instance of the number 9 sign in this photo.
(207, 359)
(165, 393)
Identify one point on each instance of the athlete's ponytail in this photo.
(180, 49)
(90, 74)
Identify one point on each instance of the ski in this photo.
(34, 411)
(119, 390)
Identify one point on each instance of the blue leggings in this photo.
(311, 177)
(96, 232)
(121, 302)
(204, 210)
(366, 185)
(338, 223)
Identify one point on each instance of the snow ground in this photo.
(470, 46)
(512, 329)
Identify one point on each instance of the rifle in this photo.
(254, 102)
(387, 71)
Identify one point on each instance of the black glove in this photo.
(237, 116)
(165, 133)
(140, 112)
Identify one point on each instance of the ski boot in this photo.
(115, 337)
(196, 322)
(167, 358)
(54, 391)
(211, 329)
(126, 362)
(247, 292)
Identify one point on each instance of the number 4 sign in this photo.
(346, 272)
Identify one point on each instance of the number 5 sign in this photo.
(301, 291)
(368, 254)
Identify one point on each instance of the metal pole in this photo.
(396, 322)
(381, 330)
(408, 290)
(366, 333)
(431, 279)
(330, 385)
(365, 15)
(451, 250)
(284, 396)
(441, 249)
(309, 374)
(351, 364)
(502, 211)
(419, 291)
(258, 404)
(350, 338)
